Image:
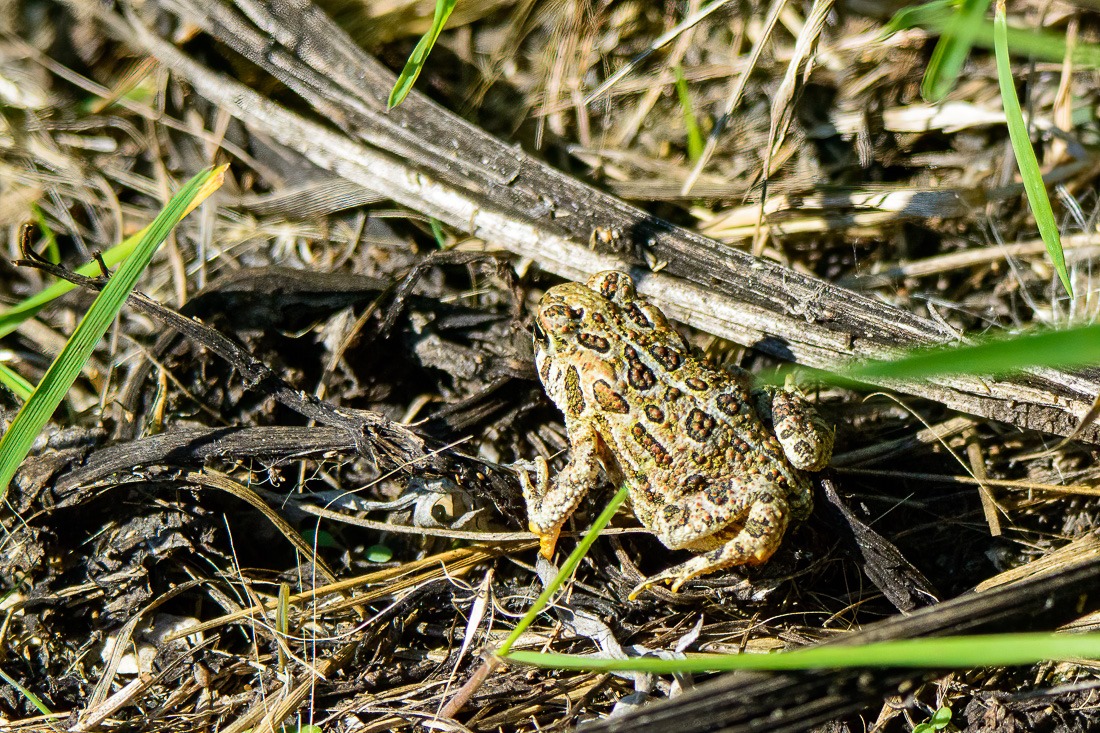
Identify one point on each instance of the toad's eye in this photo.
(540, 335)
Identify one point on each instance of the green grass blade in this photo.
(16, 442)
(32, 698)
(438, 233)
(957, 652)
(10, 318)
(691, 125)
(934, 15)
(1025, 155)
(419, 55)
(1073, 347)
(14, 381)
(53, 252)
(1033, 43)
(1044, 46)
(567, 569)
(28, 308)
(953, 48)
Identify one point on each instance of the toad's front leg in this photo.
(549, 504)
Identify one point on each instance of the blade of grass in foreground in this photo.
(1025, 154)
(37, 410)
(952, 49)
(419, 55)
(567, 569)
(1074, 347)
(10, 318)
(963, 652)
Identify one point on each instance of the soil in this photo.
(282, 492)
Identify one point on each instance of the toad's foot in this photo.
(678, 575)
(533, 493)
(655, 580)
(549, 505)
(806, 438)
(675, 576)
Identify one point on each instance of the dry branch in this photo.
(798, 701)
(426, 158)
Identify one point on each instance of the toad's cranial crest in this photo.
(712, 465)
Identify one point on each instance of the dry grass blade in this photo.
(758, 46)
(408, 575)
(217, 480)
(782, 103)
(658, 43)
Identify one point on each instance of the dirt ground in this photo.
(303, 510)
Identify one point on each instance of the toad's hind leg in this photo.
(751, 543)
(806, 438)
